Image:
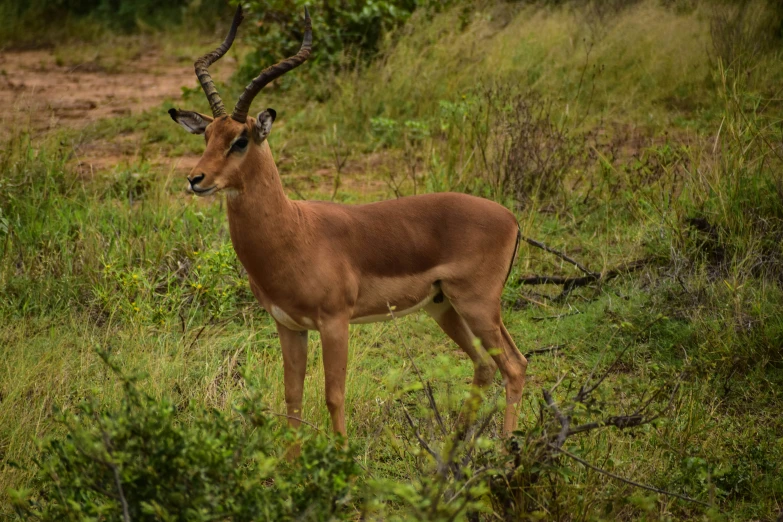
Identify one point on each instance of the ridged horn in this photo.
(201, 65)
(275, 71)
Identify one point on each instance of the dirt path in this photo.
(39, 94)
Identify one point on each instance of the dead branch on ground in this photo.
(590, 277)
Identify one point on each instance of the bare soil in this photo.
(41, 95)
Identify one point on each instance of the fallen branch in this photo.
(546, 349)
(558, 316)
(291, 417)
(627, 481)
(570, 283)
(622, 421)
(564, 420)
(519, 304)
(561, 255)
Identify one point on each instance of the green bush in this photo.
(152, 459)
(353, 27)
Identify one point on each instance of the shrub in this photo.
(461, 472)
(151, 459)
(515, 145)
(355, 27)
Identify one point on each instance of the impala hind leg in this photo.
(334, 339)
(513, 398)
(294, 348)
(485, 323)
(484, 368)
(512, 365)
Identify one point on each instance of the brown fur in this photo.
(320, 266)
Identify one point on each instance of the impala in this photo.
(322, 266)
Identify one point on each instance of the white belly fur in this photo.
(288, 321)
(305, 323)
(397, 313)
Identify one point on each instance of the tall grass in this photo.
(680, 164)
(639, 67)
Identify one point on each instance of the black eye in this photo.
(240, 144)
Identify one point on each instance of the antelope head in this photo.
(237, 141)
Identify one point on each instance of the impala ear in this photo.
(264, 124)
(193, 122)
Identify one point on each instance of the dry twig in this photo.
(546, 349)
(570, 283)
(564, 420)
(114, 469)
(562, 256)
(627, 481)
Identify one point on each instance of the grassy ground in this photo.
(678, 162)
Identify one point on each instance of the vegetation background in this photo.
(642, 139)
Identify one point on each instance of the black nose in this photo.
(196, 180)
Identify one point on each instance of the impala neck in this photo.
(261, 218)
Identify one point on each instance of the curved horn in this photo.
(208, 59)
(273, 72)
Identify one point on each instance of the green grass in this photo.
(127, 263)
(30, 24)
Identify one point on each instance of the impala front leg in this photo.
(334, 339)
(294, 347)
